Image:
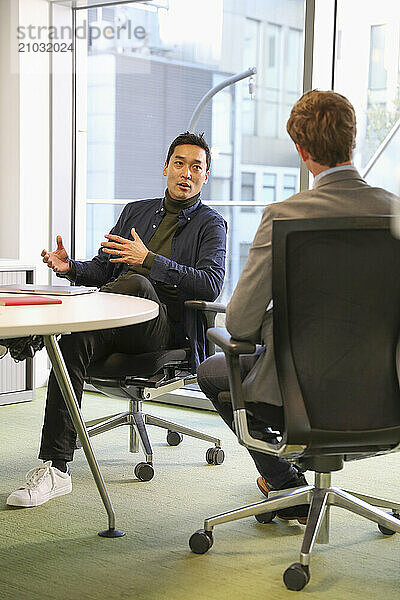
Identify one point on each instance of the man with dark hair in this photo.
(323, 128)
(169, 250)
(195, 140)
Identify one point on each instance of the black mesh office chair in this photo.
(146, 377)
(336, 295)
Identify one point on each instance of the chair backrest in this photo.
(336, 290)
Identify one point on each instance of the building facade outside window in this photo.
(250, 59)
(141, 91)
(289, 186)
(269, 187)
(367, 71)
(248, 191)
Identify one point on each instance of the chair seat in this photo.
(137, 365)
(345, 441)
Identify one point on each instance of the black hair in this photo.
(193, 139)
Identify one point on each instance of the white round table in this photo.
(86, 312)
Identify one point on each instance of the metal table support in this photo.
(68, 393)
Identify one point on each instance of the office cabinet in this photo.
(16, 379)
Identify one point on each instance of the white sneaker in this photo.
(42, 484)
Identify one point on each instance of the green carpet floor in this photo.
(53, 551)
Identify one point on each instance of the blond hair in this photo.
(324, 124)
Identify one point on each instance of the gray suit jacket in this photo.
(342, 193)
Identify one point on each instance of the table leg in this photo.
(64, 381)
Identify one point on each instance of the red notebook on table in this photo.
(17, 300)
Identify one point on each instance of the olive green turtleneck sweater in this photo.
(161, 243)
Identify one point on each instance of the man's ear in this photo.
(206, 179)
(304, 155)
(165, 169)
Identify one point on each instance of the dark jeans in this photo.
(212, 377)
(81, 349)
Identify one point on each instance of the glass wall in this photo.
(367, 71)
(144, 81)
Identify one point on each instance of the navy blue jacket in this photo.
(196, 269)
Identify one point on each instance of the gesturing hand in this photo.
(131, 252)
(57, 260)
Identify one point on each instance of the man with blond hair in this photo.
(322, 125)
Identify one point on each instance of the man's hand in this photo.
(131, 252)
(57, 260)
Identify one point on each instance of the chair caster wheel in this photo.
(266, 517)
(296, 577)
(215, 456)
(386, 530)
(144, 471)
(174, 438)
(201, 541)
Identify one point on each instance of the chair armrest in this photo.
(216, 307)
(233, 349)
(222, 338)
(283, 449)
(209, 310)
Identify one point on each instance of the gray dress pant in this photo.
(212, 378)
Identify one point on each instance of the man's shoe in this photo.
(299, 513)
(42, 484)
(21, 348)
(264, 486)
(294, 512)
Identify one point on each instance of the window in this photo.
(96, 216)
(273, 56)
(248, 190)
(250, 59)
(244, 253)
(222, 118)
(269, 125)
(289, 186)
(264, 185)
(281, 83)
(221, 189)
(293, 71)
(269, 188)
(138, 92)
(377, 69)
(374, 86)
(293, 59)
